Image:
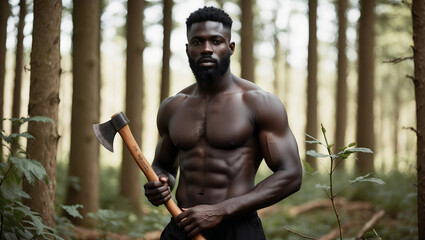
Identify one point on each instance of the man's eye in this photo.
(196, 43)
(216, 42)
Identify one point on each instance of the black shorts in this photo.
(244, 227)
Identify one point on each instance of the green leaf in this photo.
(26, 135)
(6, 194)
(313, 153)
(37, 223)
(323, 186)
(359, 149)
(30, 168)
(344, 155)
(73, 210)
(374, 180)
(37, 119)
(366, 178)
(22, 194)
(10, 236)
(313, 141)
(28, 234)
(308, 167)
(352, 144)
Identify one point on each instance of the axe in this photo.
(105, 133)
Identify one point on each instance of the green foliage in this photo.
(330, 189)
(116, 214)
(73, 210)
(126, 221)
(18, 221)
(397, 198)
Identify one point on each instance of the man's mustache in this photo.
(206, 59)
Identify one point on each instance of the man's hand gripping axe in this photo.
(105, 132)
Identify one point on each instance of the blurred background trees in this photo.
(341, 63)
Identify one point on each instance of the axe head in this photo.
(105, 132)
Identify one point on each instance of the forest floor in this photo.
(389, 209)
(363, 218)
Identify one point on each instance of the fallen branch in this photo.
(315, 204)
(341, 203)
(299, 234)
(375, 218)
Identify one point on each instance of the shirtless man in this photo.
(217, 131)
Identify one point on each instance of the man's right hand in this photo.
(158, 192)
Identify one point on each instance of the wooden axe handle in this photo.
(146, 168)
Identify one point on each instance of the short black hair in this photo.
(209, 14)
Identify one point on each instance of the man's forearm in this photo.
(271, 190)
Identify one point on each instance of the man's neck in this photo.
(210, 88)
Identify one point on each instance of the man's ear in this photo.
(232, 48)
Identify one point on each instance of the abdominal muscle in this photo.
(209, 175)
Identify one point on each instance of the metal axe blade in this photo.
(105, 132)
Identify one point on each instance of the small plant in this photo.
(109, 221)
(335, 158)
(18, 221)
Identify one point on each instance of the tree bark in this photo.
(130, 175)
(247, 41)
(166, 52)
(418, 19)
(44, 101)
(84, 162)
(19, 66)
(4, 15)
(341, 93)
(277, 55)
(311, 126)
(365, 95)
(287, 69)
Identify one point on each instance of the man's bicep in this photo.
(280, 151)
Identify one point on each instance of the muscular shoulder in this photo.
(267, 109)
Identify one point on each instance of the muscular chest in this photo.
(222, 123)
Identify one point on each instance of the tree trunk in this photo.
(418, 19)
(19, 66)
(312, 127)
(277, 55)
(341, 93)
(4, 15)
(247, 41)
(84, 162)
(44, 101)
(130, 174)
(166, 52)
(287, 67)
(365, 112)
(396, 123)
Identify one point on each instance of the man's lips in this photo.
(206, 62)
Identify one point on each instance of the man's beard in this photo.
(210, 74)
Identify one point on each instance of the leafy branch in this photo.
(335, 159)
(18, 221)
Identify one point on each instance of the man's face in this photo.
(209, 50)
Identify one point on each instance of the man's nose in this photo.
(207, 48)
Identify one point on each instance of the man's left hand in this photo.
(194, 220)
